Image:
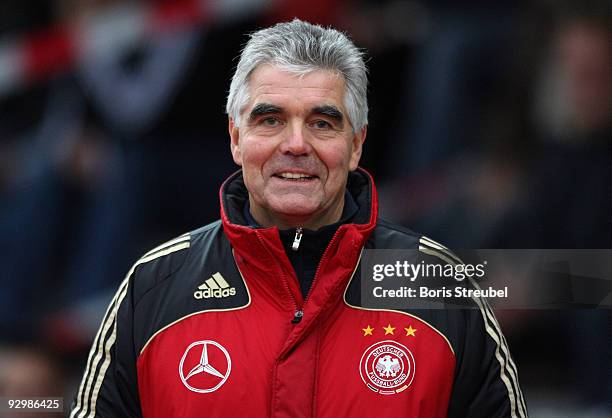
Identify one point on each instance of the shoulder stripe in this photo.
(517, 403)
(390, 310)
(437, 246)
(436, 253)
(88, 396)
(96, 346)
(182, 238)
(506, 361)
(511, 366)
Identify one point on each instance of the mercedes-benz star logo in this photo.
(203, 377)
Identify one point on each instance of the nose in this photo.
(295, 142)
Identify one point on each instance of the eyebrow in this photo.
(263, 109)
(326, 110)
(330, 111)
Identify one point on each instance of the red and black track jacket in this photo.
(213, 324)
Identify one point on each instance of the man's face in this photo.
(296, 146)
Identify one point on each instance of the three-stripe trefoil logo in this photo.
(214, 287)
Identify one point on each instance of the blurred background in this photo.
(490, 127)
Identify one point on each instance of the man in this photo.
(259, 314)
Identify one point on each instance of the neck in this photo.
(286, 221)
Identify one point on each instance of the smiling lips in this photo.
(294, 176)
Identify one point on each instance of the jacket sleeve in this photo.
(109, 387)
(486, 379)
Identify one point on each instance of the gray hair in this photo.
(301, 47)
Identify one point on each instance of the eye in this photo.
(321, 124)
(270, 121)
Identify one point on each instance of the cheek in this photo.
(255, 156)
(336, 158)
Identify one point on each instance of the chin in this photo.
(297, 207)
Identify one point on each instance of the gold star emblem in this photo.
(367, 331)
(389, 329)
(410, 331)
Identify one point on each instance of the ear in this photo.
(234, 134)
(358, 140)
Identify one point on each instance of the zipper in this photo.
(297, 316)
(297, 239)
(298, 313)
(323, 258)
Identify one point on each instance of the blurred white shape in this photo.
(11, 66)
(116, 28)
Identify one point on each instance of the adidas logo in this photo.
(214, 287)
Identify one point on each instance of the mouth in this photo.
(295, 177)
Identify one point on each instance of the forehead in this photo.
(271, 84)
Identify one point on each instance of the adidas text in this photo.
(217, 293)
